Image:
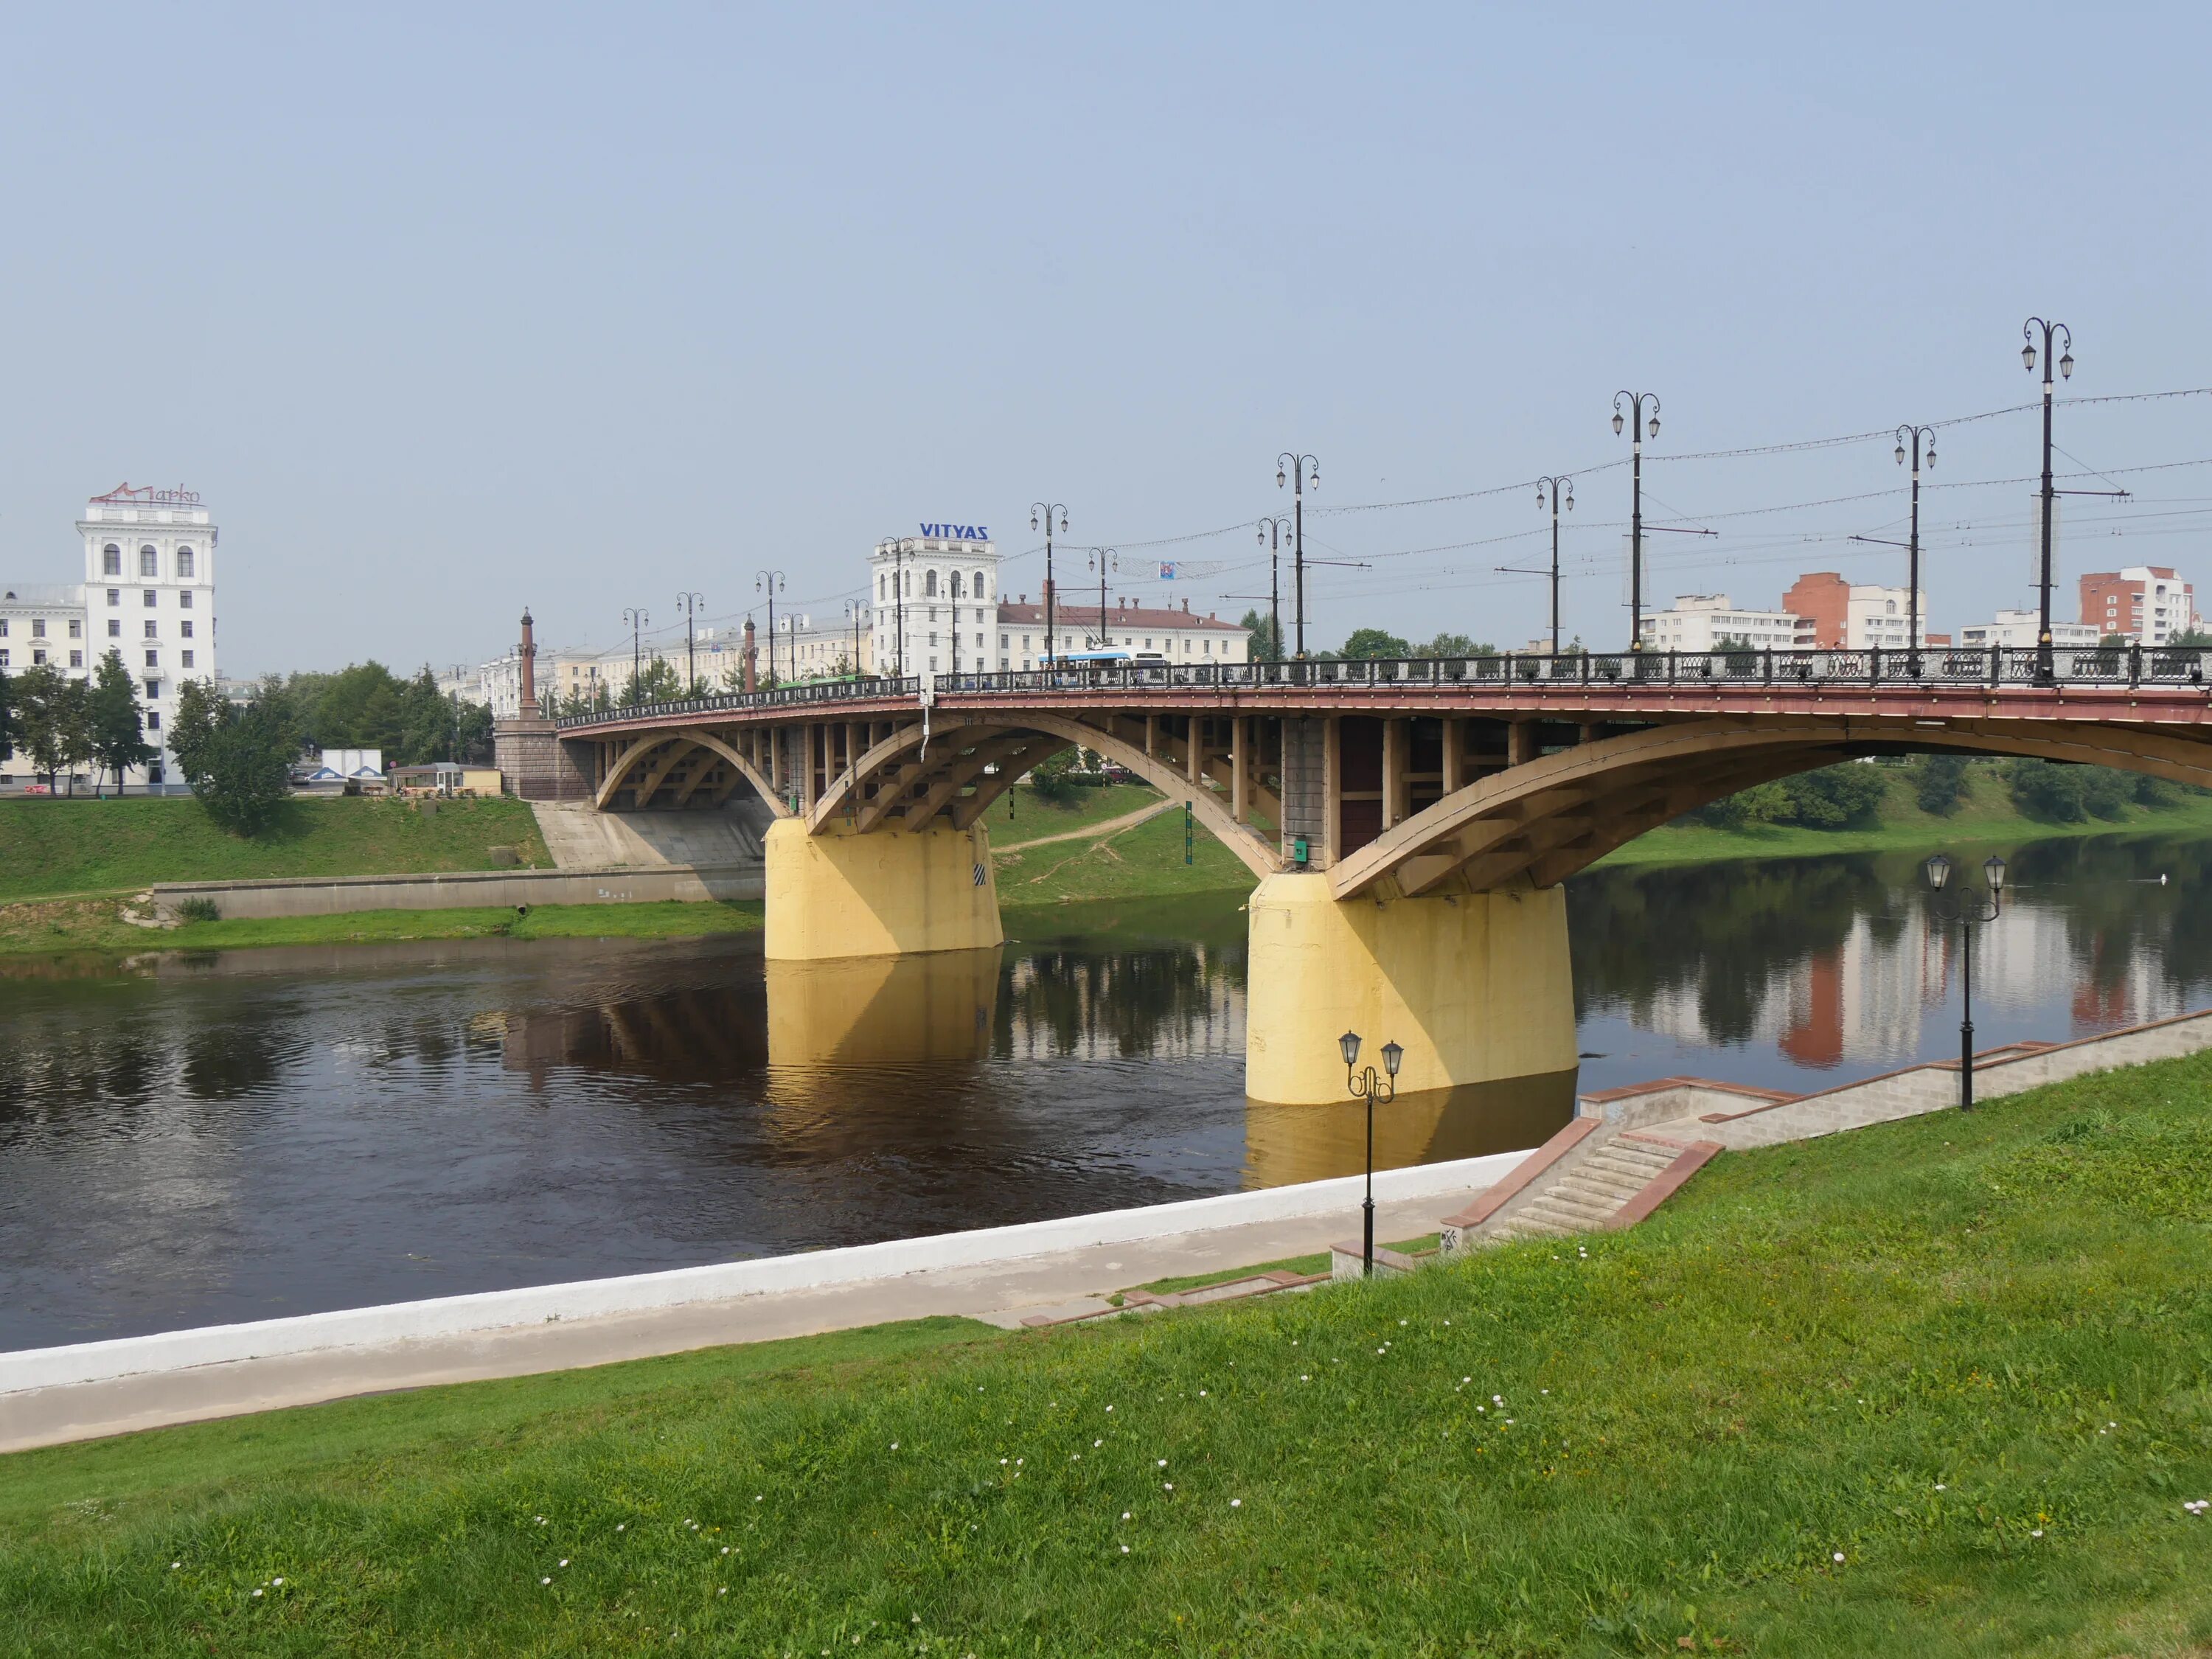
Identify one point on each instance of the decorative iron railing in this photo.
(782, 696)
(1995, 667)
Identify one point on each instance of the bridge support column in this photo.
(1475, 986)
(885, 893)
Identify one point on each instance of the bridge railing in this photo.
(782, 696)
(1930, 665)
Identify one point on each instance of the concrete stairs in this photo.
(1591, 1191)
(581, 837)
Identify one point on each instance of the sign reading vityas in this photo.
(958, 532)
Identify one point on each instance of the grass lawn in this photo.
(92, 924)
(1941, 1388)
(1147, 860)
(1034, 816)
(50, 848)
(1984, 816)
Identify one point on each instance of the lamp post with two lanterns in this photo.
(1297, 471)
(1562, 490)
(1913, 434)
(1635, 421)
(1049, 508)
(1366, 1086)
(1969, 910)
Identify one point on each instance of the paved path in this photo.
(1001, 1293)
(1091, 831)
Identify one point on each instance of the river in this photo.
(197, 1138)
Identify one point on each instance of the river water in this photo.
(197, 1138)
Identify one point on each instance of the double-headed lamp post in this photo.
(1969, 910)
(688, 604)
(636, 621)
(1303, 470)
(1049, 508)
(1271, 538)
(1636, 423)
(1562, 491)
(897, 547)
(1365, 1085)
(855, 610)
(1913, 435)
(2046, 668)
(771, 583)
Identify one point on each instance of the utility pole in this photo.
(688, 604)
(771, 582)
(1299, 466)
(635, 621)
(1048, 508)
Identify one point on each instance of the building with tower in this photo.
(936, 601)
(149, 593)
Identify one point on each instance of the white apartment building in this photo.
(935, 599)
(149, 593)
(1128, 625)
(2020, 629)
(1700, 622)
(2145, 603)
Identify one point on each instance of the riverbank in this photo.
(52, 848)
(1939, 1384)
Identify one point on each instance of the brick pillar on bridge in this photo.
(533, 763)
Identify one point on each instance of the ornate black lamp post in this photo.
(1365, 1087)
(1303, 470)
(1969, 911)
(1911, 435)
(771, 583)
(1637, 427)
(1271, 536)
(855, 610)
(897, 546)
(1562, 490)
(1105, 559)
(2046, 668)
(688, 604)
(1049, 508)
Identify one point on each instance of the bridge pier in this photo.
(1474, 986)
(887, 893)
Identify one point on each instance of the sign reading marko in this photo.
(958, 532)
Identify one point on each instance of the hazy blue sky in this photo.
(450, 309)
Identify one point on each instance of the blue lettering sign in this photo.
(958, 532)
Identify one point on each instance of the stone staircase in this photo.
(1591, 1190)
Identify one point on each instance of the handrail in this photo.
(1992, 666)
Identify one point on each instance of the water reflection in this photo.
(195, 1138)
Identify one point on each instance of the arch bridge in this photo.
(1408, 823)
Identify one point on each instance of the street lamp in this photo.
(1365, 1087)
(1271, 536)
(1104, 558)
(1913, 434)
(1303, 470)
(1562, 490)
(897, 547)
(1969, 911)
(635, 621)
(1048, 508)
(771, 583)
(1635, 424)
(688, 604)
(855, 610)
(2046, 669)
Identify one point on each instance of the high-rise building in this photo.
(1855, 615)
(2144, 604)
(935, 601)
(148, 594)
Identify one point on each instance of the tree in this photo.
(247, 763)
(118, 725)
(2191, 639)
(1835, 796)
(199, 710)
(1372, 644)
(1266, 639)
(44, 717)
(2042, 789)
(6, 719)
(658, 682)
(1453, 645)
(1942, 780)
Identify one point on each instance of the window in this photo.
(151, 625)
(932, 664)
(153, 723)
(153, 660)
(37, 658)
(188, 659)
(111, 560)
(115, 628)
(76, 629)
(978, 589)
(149, 598)
(1025, 641)
(184, 601)
(187, 627)
(149, 564)
(3, 656)
(1002, 641)
(932, 638)
(929, 588)
(38, 628)
(184, 564)
(956, 584)
(879, 585)
(76, 659)
(115, 596)
(153, 689)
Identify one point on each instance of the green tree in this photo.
(52, 721)
(1266, 638)
(1835, 796)
(2042, 789)
(1941, 780)
(6, 719)
(657, 682)
(199, 711)
(1372, 644)
(247, 775)
(118, 725)
(1455, 645)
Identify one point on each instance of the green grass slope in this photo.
(49, 847)
(1942, 1388)
(1146, 861)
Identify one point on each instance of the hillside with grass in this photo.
(1942, 1387)
(51, 847)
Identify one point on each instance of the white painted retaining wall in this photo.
(493, 1310)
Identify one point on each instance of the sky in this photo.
(450, 309)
